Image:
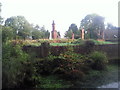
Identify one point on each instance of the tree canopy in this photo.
(24, 30)
(7, 33)
(72, 29)
(21, 26)
(93, 25)
(40, 33)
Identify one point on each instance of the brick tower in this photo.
(54, 32)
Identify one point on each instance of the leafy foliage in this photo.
(15, 66)
(22, 29)
(93, 24)
(51, 81)
(73, 29)
(40, 33)
(7, 33)
(99, 60)
(20, 25)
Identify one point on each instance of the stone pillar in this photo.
(54, 34)
(72, 36)
(103, 34)
(82, 34)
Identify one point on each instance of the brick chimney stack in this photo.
(53, 26)
(54, 32)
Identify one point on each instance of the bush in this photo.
(99, 60)
(16, 66)
(69, 64)
(78, 41)
(74, 75)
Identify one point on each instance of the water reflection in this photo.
(111, 85)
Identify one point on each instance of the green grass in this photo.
(62, 44)
(72, 44)
(53, 81)
(103, 42)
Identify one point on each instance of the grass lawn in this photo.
(67, 44)
(103, 42)
(62, 44)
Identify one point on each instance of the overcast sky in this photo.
(63, 12)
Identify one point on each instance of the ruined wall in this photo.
(42, 51)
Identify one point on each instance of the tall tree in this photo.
(72, 29)
(40, 33)
(59, 36)
(7, 33)
(47, 34)
(21, 26)
(1, 19)
(94, 25)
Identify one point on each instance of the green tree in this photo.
(7, 33)
(72, 29)
(40, 33)
(1, 19)
(94, 25)
(21, 26)
(36, 34)
(59, 34)
(68, 34)
(47, 34)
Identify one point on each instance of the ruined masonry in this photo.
(54, 32)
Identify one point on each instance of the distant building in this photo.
(111, 35)
(54, 33)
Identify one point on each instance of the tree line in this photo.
(93, 25)
(17, 27)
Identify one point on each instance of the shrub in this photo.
(78, 41)
(74, 75)
(51, 81)
(43, 40)
(69, 64)
(16, 66)
(99, 60)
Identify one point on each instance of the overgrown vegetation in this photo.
(53, 71)
(99, 60)
(59, 42)
(15, 65)
(24, 70)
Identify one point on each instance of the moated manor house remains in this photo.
(107, 35)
